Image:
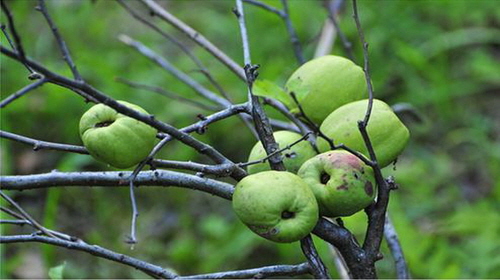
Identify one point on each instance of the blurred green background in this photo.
(442, 57)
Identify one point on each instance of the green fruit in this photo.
(388, 134)
(326, 83)
(341, 182)
(276, 205)
(293, 158)
(114, 138)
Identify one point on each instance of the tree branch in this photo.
(62, 45)
(195, 36)
(392, 239)
(40, 145)
(22, 92)
(117, 179)
(163, 63)
(257, 273)
(168, 94)
(95, 250)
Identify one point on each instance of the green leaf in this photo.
(267, 88)
(298, 88)
(56, 272)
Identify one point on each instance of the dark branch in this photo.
(62, 44)
(22, 92)
(320, 271)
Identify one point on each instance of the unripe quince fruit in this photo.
(276, 205)
(341, 182)
(326, 83)
(387, 133)
(293, 158)
(114, 138)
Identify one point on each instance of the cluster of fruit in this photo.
(284, 206)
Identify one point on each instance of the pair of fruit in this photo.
(284, 207)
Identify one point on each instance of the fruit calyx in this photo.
(104, 124)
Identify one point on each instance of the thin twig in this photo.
(162, 62)
(392, 239)
(25, 215)
(266, 7)
(132, 239)
(94, 250)
(60, 42)
(176, 42)
(17, 45)
(22, 92)
(297, 48)
(286, 112)
(333, 7)
(41, 145)
(195, 36)
(220, 170)
(168, 94)
(287, 147)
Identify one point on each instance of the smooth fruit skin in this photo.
(388, 135)
(293, 158)
(331, 81)
(276, 205)
(114, 138)
(341, 182)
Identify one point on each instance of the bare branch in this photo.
(221, 170)
(333, 7)
(392, 239)
(265, 7)
(62, 45)
(95, 250)
(40, 145)
(16, 45)
(176, 42)
(195, 36)
(22, 92)
(25, 215)
(257, 273)
(297, 48)
(162, 62)
(168, 94)
(117, 179)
